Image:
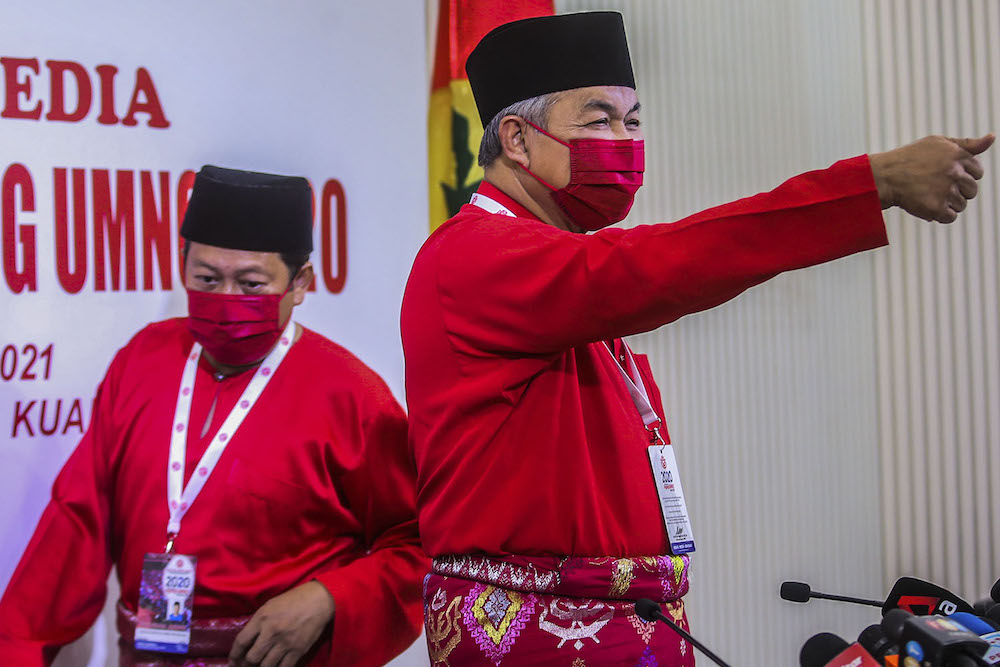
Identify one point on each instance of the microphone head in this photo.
(982, 605)
(893, 622)
(821, 649)
(647, 610)
(995, 591)
(973, 623)
(795, 591)
(873, 640)
(993, 613)
(922, 598)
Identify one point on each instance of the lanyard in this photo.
(179, 502)
(489, 205)
(638, 394)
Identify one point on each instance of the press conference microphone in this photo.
(923, 598)
(982, 605)
(876, 643)
(820, 649)
(973, 623)
(796, 591)
(650, 611)
(995, 592)
(828, 650)
(934, 640)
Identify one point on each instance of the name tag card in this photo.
(668, 487)
(166, 598)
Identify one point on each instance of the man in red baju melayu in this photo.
(268, 453)
(546, 481)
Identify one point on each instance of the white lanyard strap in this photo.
(638, 393)
(177, 502)
(489, 205)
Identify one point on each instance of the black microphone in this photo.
(922, 598)
(995, 591)
(796, 591)
(994, 613)
(650, 611)
(982, 605)
(875, 642)
(821, 649)
(933, 640)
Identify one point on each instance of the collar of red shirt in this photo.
(499, 196)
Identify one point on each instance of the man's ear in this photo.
(511, 133)
(302, 282)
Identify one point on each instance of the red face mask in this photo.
(236, 329)
(604, 176)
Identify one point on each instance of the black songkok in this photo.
(248, 210)
(531, 57)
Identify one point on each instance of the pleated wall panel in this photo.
(934, 67)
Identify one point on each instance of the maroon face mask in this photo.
(236, 329)
(604, 176)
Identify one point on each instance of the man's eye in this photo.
(600, 121)
(207, 279)
(633, 122)
(252, 284)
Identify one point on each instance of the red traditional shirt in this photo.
(317, 483)
(525, 436)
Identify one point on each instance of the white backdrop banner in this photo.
(106, 111)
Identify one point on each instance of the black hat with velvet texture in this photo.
(249, 210)
(548, 54)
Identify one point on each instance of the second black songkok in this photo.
(531, 57)
(249, 210)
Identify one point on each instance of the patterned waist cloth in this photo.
(577, 612)
(211, 640)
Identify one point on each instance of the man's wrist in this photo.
(881, 164)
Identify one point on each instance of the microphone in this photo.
(994, 613)
(973, 623)
(828, 650)
(923, 598)
(820, 649)
(650, 611)
(981, 606)
(995, 592)
(876, 643)
(933, 640)
(796, 591)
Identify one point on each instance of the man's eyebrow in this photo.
(256, 268)
(200, 263)
(599, 105)
(607, 107)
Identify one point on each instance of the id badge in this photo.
(672, 505)
(166, 597)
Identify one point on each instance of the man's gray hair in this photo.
(534, 110)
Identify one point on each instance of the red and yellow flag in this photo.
(454, 130)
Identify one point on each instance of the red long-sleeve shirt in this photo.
(317, 483)
(525, 437)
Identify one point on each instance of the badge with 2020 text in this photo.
(668, 487)
(166, 598)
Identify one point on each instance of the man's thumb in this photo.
(976, 146)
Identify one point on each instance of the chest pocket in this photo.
(277, 517)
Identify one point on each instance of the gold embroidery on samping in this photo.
(495, 610)
(622, 576)
(440, 640)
